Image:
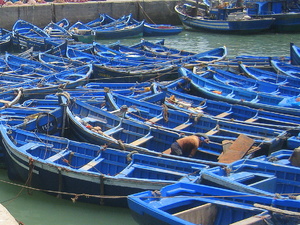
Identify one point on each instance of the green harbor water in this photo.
(263, 44)
(37, 208)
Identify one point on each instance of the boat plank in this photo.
(141, 140)
(155, 119)
(182, 126)
(91, 164)
(212, 132)
(204, 214)
(237, 150)
(222, 115)
(58, 155)
(251, 120)
(113, 131)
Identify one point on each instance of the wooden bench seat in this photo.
(251, 120)
(212, 132)
(59, 155)
(224, 114)
(182, 126)
(91, 164)
(155, 119)
(141, 140)
(113, 131)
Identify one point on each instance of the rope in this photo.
(76, 196)
(29, 178)
(66, 95)
(129, 158)
(274, 209)
(144, 12)
(165, 112)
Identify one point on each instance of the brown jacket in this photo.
(189, 144)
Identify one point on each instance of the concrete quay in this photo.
(6, 218)
(153, 11)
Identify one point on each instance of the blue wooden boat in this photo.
(63, 23)
(210, 56)
(221, 20)
(29, 67)
(133, 135)
(56, 31)
(26, 35)
(184, 203)
(178, 97)
(147, 52)
(5, 39)
(35, 119)
(50, 120)
(87, 172)
(106, 51)
(294, 54)
(17, 115)
(160, 49)
(285, 13)
(255, 177)
(95, 59)
(60, 49)
(58, 60)
(46, 84)
(190, 123)
(124, 27)
(10, 81)
(158, 70)
(103, 19)
(182, 123)
(262, 62)
(120, 31)
(269, 76)
(121, 70)
(281, 157)
(138, 73)
(123, 52)
(286, 68)
(218, 91)
(108, 21)
(151, 30)
(240, 81)
(67, 79)
(82, 33)
(121, 133)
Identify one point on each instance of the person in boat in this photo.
(188, 145)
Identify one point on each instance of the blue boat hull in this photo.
(151, 30)
(285, 22)
(241, 26)
(85, 172)
(167, 205)
(130, 31)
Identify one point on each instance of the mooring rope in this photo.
(76, 195)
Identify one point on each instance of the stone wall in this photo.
(153, 11)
